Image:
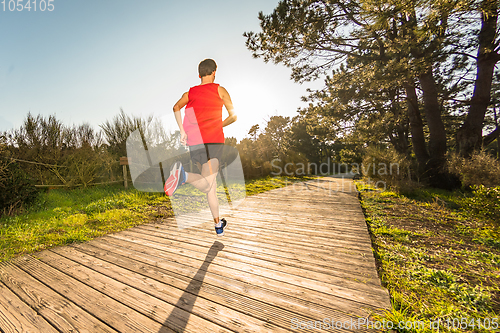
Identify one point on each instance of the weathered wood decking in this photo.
(290, 255)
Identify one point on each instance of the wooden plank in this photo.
(343, 258)
(332, 258)
(343, 221)
(322, 227)
(61, 313)
(103, 307)
(16, 316)
(224, 308)
(316, 291)
(351, 220)
(285, 242)
(319, 196)
(294, 241)
(281, 265)
(302, 191)
(319, 200)
(303, 197)
(337, 268)
(309, 203)
(298, 204)
(180, 316)
(319, 282)
(339, 252)
(275, 306)
(359, 236)
(333, 222)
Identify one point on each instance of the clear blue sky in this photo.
(87, 59)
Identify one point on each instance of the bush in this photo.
(117, 130)
(392, 168)
(54, 148)
(63, 155)
(3, 161)
(85, 166)
(480, 169)
(17, 189)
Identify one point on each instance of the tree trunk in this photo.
(469, 136)
(399, 139)
(435, 169)
(437, 137)
(416, 125)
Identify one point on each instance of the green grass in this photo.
(437, 253)
(63, 216)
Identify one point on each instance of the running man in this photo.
(202, 132)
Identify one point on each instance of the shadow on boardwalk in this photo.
(179, 316)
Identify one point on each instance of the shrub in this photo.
(53, 147)
(480, 169)
(17, 189)
(390, 167)
(62, 155)
(117, 130)
(85, 166)
(3, 161)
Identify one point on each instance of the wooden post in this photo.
(124, 163)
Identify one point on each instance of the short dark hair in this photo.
(206, 67)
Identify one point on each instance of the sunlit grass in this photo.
(65, 216)
(438, 260)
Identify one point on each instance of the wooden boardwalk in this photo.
(289, 256)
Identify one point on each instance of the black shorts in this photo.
(204, 152)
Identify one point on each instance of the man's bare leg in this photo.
(203, 181)
(213, 202)
(207, 184)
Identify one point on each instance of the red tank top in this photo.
(203, 118)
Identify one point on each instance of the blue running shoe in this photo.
(219, 228)
(176, 179)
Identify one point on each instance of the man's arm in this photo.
(177, 112)
(224, 95)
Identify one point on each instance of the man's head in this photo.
(207, 67)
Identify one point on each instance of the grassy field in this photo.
(438, 253)
(65, 216)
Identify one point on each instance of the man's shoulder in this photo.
(222, 91)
